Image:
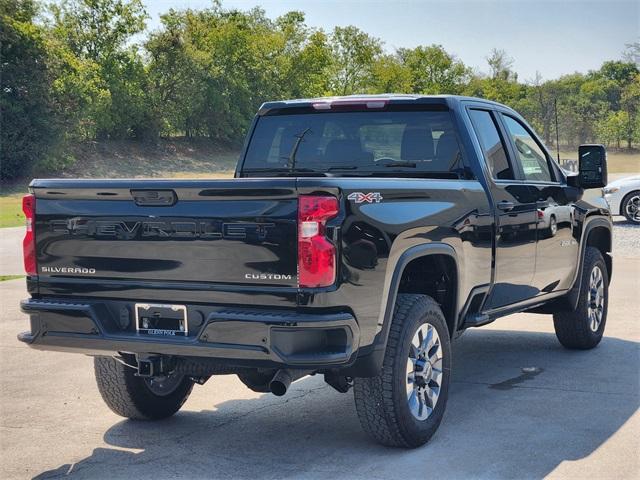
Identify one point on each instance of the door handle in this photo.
(154, 198)
(505, 206)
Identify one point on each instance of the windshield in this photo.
(418, 142)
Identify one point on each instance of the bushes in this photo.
(28, 122)
(203, 73)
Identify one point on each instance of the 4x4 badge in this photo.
(370, 197)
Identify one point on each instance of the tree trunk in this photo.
(629, 129)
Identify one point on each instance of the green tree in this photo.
(354, 55)
(590, 105)
(630, 102)
(27, 121)
(175, 79)
(433, 70)
(210, 69)
(303, 57)
(95, 37)
(540, 106)
(496, 89)
(501, 86)
(78, 91)
(98, 30)
(620, 72)
(390, 75)
(77, 74)
(501, 65)
(613, 129)
(236, 56)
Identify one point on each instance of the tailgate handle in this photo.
(154, 198)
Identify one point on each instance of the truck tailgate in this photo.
(222, 231)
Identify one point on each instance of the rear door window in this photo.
(493, 148)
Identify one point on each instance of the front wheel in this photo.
(631, 207)
(404, 405)
(583, 327)
(553, 227)
(136, 397)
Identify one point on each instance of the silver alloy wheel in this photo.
(424, 371)
(553, 226)
(595, 298)
(163, 385)
(632, 207)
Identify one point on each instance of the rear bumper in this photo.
(243, 337)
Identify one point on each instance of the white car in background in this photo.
(623, 196)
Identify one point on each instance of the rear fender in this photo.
(391, 293)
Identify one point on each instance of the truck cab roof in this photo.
(372, 101)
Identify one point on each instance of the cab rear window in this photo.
(413, 141)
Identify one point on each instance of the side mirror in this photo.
(592, 166)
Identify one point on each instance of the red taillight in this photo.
(316, 254)
(29, 242)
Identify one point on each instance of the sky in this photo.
(552, 37)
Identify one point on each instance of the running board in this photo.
(476, 320)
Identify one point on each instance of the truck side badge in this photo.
(370, 197)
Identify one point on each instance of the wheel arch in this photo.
(416, 259)
(598, 234)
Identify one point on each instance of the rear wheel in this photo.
(553, 226)
(631, 207)
(136, 397)
(404, 405)
(583, 327)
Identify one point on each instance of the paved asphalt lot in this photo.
(578, 417)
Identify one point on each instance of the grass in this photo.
(623, 162)
(11, 211)
(169, 158)
(4, 278)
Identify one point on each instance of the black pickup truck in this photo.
(358, 237)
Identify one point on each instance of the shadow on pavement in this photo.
(502, 421)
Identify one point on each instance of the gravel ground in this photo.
(577, 417)
(626, 239)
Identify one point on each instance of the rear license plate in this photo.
(158, 319)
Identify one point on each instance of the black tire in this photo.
(381, 401)
(574, 328)
(553, 227)
(131, 396)
(623, 206)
